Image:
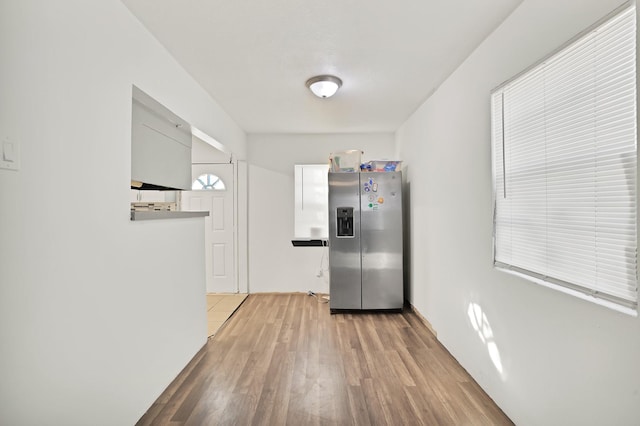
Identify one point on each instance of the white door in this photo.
(213, 192)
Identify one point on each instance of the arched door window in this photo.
(208, 182)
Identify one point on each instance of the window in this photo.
(564, 164)
(208, 182)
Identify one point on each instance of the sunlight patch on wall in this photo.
(481, 325)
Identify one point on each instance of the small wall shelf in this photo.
(309, 243)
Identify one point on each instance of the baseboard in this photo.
(423, 320)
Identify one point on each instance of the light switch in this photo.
(7, 151)
(10, 158)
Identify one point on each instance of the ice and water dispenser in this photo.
(344, 216)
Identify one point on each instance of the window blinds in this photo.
(564, 155)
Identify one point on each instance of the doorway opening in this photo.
(213, 191)
(215, 176)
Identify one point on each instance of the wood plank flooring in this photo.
(284, 359)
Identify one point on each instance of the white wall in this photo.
(202, 152)
(560, 360)
(97, 314)
(274, 264)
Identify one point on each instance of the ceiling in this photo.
(254, 56)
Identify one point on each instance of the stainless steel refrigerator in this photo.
(365, 241)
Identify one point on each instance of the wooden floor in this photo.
(284, 359)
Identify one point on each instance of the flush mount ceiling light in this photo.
(324, 86)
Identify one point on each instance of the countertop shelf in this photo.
(155, 215)
(309, 243)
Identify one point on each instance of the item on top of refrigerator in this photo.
(345, 161)
(381, 166)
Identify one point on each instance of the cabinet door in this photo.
(160, 145)
(311, 201)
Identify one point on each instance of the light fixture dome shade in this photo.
(324, 86)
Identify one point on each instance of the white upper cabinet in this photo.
(160, 146)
